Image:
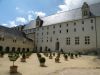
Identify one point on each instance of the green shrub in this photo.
(72, 56)
(66, 57)
(42, 60)
(39, 55)
(13, 57)
(23, 56)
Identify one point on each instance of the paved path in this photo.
(85, 65)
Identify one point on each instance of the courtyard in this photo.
(84, 65)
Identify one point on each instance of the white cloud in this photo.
(21, 20)
(72, 4)
(12, 24)
(17, 8)
(4, 24)
(40, 13)
(30, 17)
(16, 22)
(30, 12)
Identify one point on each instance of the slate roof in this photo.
(11, 33)
(66, 16)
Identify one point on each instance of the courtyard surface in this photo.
(84, 65)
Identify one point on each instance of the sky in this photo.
(20, 12)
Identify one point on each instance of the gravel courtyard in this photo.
(85, 65)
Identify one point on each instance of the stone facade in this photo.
(70, 31)
(14, 40)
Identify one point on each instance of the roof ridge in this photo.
(70, 10)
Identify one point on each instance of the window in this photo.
(76, 40)
(60, 26)
(51, 39)
(67, 25)
(37, 22)
(14, 41)
(87, 39)
(42, 33)
(53, 26)
(85, 13)
(68, 40)
(47, 33)
(83, 29)
(60, 31)
(42, 40)
(92, 27)
(74, 23)
(67, 30)
(42, 28)
(91, 20)
(82, 22)
(47, 27)
(57, 38)
(74, 29)
(53, 32)
(23, 42)
(2, 39)
(47, 40)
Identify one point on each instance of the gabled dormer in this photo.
(39, 22)
(85, 10)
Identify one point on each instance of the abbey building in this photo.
(70, 31)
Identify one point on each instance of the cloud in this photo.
(17, 8)
(4, 24)
(21, 20)
(30, 12)
(12, 24)
(40, 13)
(16, 22)
(72, 4)
(30, 17)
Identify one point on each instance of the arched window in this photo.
(1, 48)
(23, 49)
(27, 49)
(13, 49)
(18, 50)
(7, 49)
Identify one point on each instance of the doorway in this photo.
(57, 46)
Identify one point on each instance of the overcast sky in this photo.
(15, 12)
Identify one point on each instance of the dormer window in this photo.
(85, 10)
(39, 22)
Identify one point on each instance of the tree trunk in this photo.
(13, 63)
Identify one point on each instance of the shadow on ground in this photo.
(18, 73)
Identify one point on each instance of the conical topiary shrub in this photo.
(50, 57)
(57, 60)
(76, 55)
(23, 59)
(71, 56)
(13, 57)
(42, 61)
(65, 57)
